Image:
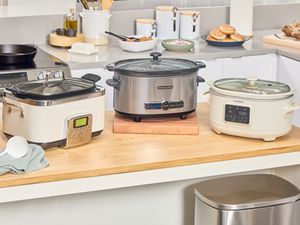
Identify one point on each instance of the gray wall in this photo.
(33, 29)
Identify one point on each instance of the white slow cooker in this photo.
(251, 108)
(63, 112)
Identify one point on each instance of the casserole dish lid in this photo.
(252, 88)
(54, 88)
(155, 66)
(246, 192)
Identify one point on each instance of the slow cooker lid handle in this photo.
(155, 55)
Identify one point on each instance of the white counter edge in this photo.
(49, 189)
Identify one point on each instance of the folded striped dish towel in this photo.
(34, 160)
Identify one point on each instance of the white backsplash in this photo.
(20, 8)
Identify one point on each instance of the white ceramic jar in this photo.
(167, 18)
(189, 24)
(94, 25)
(241, 16)
(146, 27)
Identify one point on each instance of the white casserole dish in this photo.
(139, 46)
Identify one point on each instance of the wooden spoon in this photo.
(106, 4)
(84, 4)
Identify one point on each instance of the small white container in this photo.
(146, 27)
(167, 18)
(189, 24)
(94, 25)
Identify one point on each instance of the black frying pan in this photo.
(17, 54)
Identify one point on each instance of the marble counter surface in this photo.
(202, 51)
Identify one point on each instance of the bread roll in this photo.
(210, 38)
(287, 30)
(217, 34)
(237, 37)
(296, 35)
(227, 29)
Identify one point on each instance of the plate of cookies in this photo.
(225, 36)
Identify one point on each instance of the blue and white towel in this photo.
(34, 160)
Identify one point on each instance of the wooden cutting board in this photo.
(64, 41)
(164, 125)
(291, 43)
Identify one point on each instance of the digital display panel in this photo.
(237, 114)
(81, 122)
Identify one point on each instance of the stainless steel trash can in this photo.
(259, 199)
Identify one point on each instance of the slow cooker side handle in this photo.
(200, 64)
(292, 108)
(111, 67)
(91, 77)
(200, 80)
(11, 106)
(113, 83)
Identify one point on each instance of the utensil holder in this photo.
(94, 25)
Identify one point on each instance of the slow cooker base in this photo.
(55, 143)
(139, 117)
(265, 135)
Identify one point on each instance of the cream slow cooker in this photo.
(251, 108)
(63, 112)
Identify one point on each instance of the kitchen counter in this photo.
(202, 51)
(126, 153)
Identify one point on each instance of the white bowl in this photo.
(137, 46)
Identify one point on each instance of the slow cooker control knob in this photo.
(165, 105)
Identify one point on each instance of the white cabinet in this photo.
(104, 74)
(260, 66)
(289, 73)
(212, 72)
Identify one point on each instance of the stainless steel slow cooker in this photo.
(251, 108)
(155, 86)
(63, 112)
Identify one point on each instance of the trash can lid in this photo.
(246, 192)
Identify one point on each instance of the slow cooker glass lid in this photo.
(161, 65)
(156, 66)
(252, 86)
(52, 88)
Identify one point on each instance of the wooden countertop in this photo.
(122, 153)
